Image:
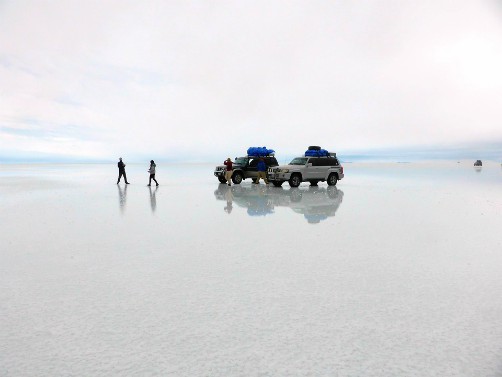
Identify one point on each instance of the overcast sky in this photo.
(160, 79)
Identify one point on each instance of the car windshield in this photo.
(241, 161)
(299, 161)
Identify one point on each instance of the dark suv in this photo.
(244, 167)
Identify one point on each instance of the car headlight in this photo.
(285, 171)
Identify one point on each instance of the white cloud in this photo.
(158, 77)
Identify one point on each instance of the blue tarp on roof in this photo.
(260, 151)
(316, 153)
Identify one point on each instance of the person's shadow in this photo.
(153, 199)
(122, 198)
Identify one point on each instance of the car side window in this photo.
(271, 161)
(317, 161)
(326, 161)
(332, 161)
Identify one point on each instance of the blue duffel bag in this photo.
(316, 153)
(260, 151)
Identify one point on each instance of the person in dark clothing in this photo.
(152, 173)
(122, 172)
(262, 171)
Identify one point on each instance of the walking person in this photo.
(152, 173)
(229, 171)
(262, 171)
(122, 172)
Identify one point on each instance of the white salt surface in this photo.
(396, 272)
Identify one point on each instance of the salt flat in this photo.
(395, 272)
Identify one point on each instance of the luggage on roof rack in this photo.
(260, 152)
(316, 153)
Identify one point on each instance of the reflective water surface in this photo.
(393, 272)
(314, 203)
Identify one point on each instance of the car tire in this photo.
(295, 180)
(277, 183)
(237, 178)
(332, 179)
(222, 180)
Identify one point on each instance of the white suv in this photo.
(307, 169)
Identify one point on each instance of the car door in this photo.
(314, 169)
(251, 170)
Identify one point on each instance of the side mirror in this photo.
(309, 164)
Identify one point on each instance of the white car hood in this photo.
(282, 167)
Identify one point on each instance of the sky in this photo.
(203, 80)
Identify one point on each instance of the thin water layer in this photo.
(395, 271)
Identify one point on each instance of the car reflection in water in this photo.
(314, 203)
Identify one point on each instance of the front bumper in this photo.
(219, 171)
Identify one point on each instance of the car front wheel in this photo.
(237, 178)
(295, 180)
(222, 179)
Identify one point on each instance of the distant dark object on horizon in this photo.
(478, 163)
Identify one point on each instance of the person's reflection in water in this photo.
(122, 197)
(229, 197)
(153, 199)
